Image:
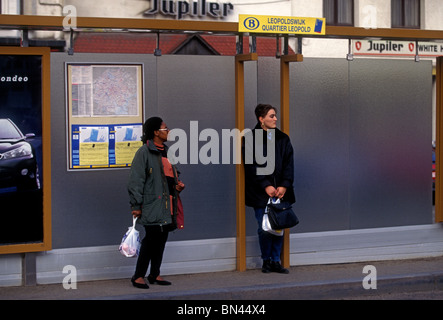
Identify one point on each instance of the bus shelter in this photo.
(28, 23)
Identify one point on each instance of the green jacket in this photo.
(148, 188)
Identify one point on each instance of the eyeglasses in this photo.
(163, 129)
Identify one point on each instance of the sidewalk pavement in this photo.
(319, 282)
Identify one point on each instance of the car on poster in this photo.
(18, 161)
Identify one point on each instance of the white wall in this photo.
(110, 8)
(433, 15)
(10, 7)
(372, 13)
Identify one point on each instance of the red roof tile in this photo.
(146, 43)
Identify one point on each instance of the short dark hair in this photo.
(261, 110)
(151, 125)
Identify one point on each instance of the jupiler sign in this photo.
(182, 8)
(397, 48)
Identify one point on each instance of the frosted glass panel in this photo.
(390, 143)
(319, 133)
(362, 135)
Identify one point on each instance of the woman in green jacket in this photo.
(153, 189)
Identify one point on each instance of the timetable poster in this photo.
(104, 146)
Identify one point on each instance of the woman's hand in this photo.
(180, 186)
(136, 213)
(280, 192)
(270, 190)
(277, 193)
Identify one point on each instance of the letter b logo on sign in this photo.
(251, 23)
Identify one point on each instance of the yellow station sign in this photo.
(286, 25)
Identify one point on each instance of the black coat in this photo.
(282, 176)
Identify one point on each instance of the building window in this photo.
(405, 14)
(339, 12)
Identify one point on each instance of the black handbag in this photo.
(281, 215)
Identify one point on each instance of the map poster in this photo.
(105, 114)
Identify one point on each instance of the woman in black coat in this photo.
(272, 178)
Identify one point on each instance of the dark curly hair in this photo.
(151, 125)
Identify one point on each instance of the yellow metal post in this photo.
(284, 123)
(239, 169)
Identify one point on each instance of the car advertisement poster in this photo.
(105, 111)
(21, 151)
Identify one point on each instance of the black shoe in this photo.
(266, 267)
(277, 267)
(139, 285)
(152, 280)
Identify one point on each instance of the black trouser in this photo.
(151, 251)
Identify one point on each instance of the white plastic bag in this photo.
(266, 225)
(130, 245)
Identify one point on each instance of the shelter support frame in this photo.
(285, 61)
(240, 59)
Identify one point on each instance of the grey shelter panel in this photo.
(362, 133)
(390, 143)
(319, 127)
(268, 83)
(196, 94)
(89, 208)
